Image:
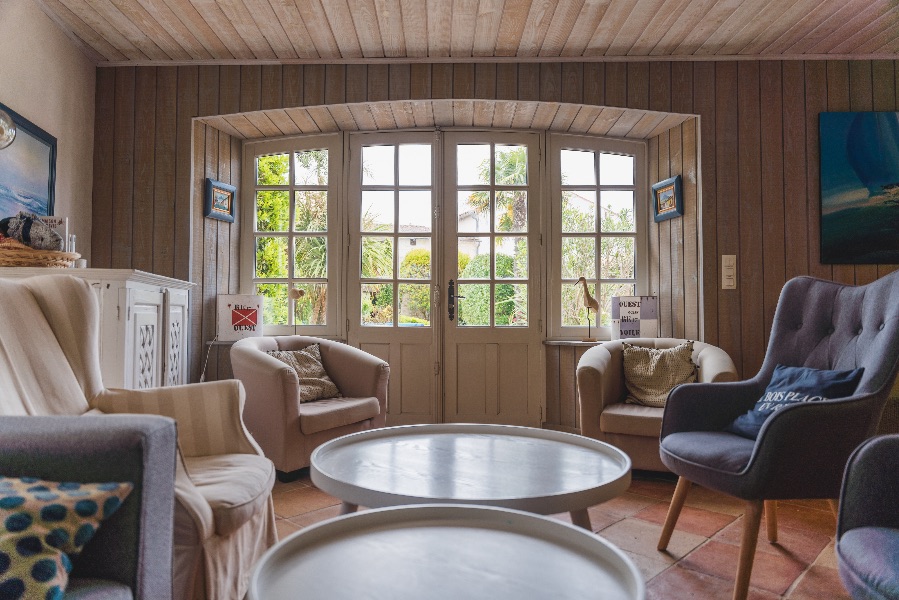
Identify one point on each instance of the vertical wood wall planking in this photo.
(120, 229)
(750, 274)
(144, 162)
(163, 205)
(682, 102)
(665, 250)
(727, 158)
(104, 159)
(205, 230)
(652, 173)
(757, 121)
(796, 221)
(185, 246)
(659, 99)
(553, 386)
(704, 104)
(773, 231)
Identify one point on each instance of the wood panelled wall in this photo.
(674, 244)
(757, 191)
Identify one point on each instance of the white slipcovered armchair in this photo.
(289, 430)
(606, 416)
(50, 365)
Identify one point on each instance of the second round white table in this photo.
(535, 470)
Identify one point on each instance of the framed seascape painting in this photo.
(859, 187)
(667, 199)
(219, 200)
(27, 169)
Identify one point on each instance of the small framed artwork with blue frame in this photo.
(667, 199)
(220, 199)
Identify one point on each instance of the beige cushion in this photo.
(632, 419)
(314, 380)
(236, 486)
(336, 412)
(650, 374)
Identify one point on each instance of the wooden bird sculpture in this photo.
(589, 302)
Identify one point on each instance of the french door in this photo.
(392, 302)
(444, 280)
(492, 344)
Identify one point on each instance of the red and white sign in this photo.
(244, 317)
(239, 316)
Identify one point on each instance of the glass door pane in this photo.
(395, 216)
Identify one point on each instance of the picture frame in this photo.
(667, 199)
(219, 201)
(27, 170)
(859, 187)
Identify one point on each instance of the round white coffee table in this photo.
(536, 470)
(444, 552)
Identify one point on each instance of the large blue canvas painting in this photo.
(859, 187)
(27, 170)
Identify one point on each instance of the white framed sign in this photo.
(239, 316)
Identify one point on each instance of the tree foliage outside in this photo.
(510, 213)
(616, 258)
(310, 251)
(415, 299)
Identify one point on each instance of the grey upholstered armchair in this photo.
(802, 449)
(131, 554)
(288, 430)
(868, 525)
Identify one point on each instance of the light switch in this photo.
(728, 271)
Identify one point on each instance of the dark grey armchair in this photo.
(802, 449)
(131, 554)
(868, 525)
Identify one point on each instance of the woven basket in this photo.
(17, 254)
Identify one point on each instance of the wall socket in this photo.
(728, 271)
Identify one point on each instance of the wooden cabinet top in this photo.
(124, 275)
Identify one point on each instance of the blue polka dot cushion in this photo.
(43, 524)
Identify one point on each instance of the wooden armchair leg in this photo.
(751, 521)
(677, 503)
(771, 519)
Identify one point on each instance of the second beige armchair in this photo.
(634, 428)
(288, 430)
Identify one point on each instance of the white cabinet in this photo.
(144, 324)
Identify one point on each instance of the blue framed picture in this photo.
(859, 187)
(27, 169)
(219, 200)
(667, 199)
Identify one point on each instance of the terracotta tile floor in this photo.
(702, 557)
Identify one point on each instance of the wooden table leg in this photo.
(581, 518)
(347, 508)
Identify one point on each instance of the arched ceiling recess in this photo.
(408, 114)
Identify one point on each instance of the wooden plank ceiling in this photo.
(375, 116)
(116, 32)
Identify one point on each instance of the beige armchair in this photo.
(634, 428)
(50, 365)
(287, 430)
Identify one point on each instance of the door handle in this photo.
(451, 299)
